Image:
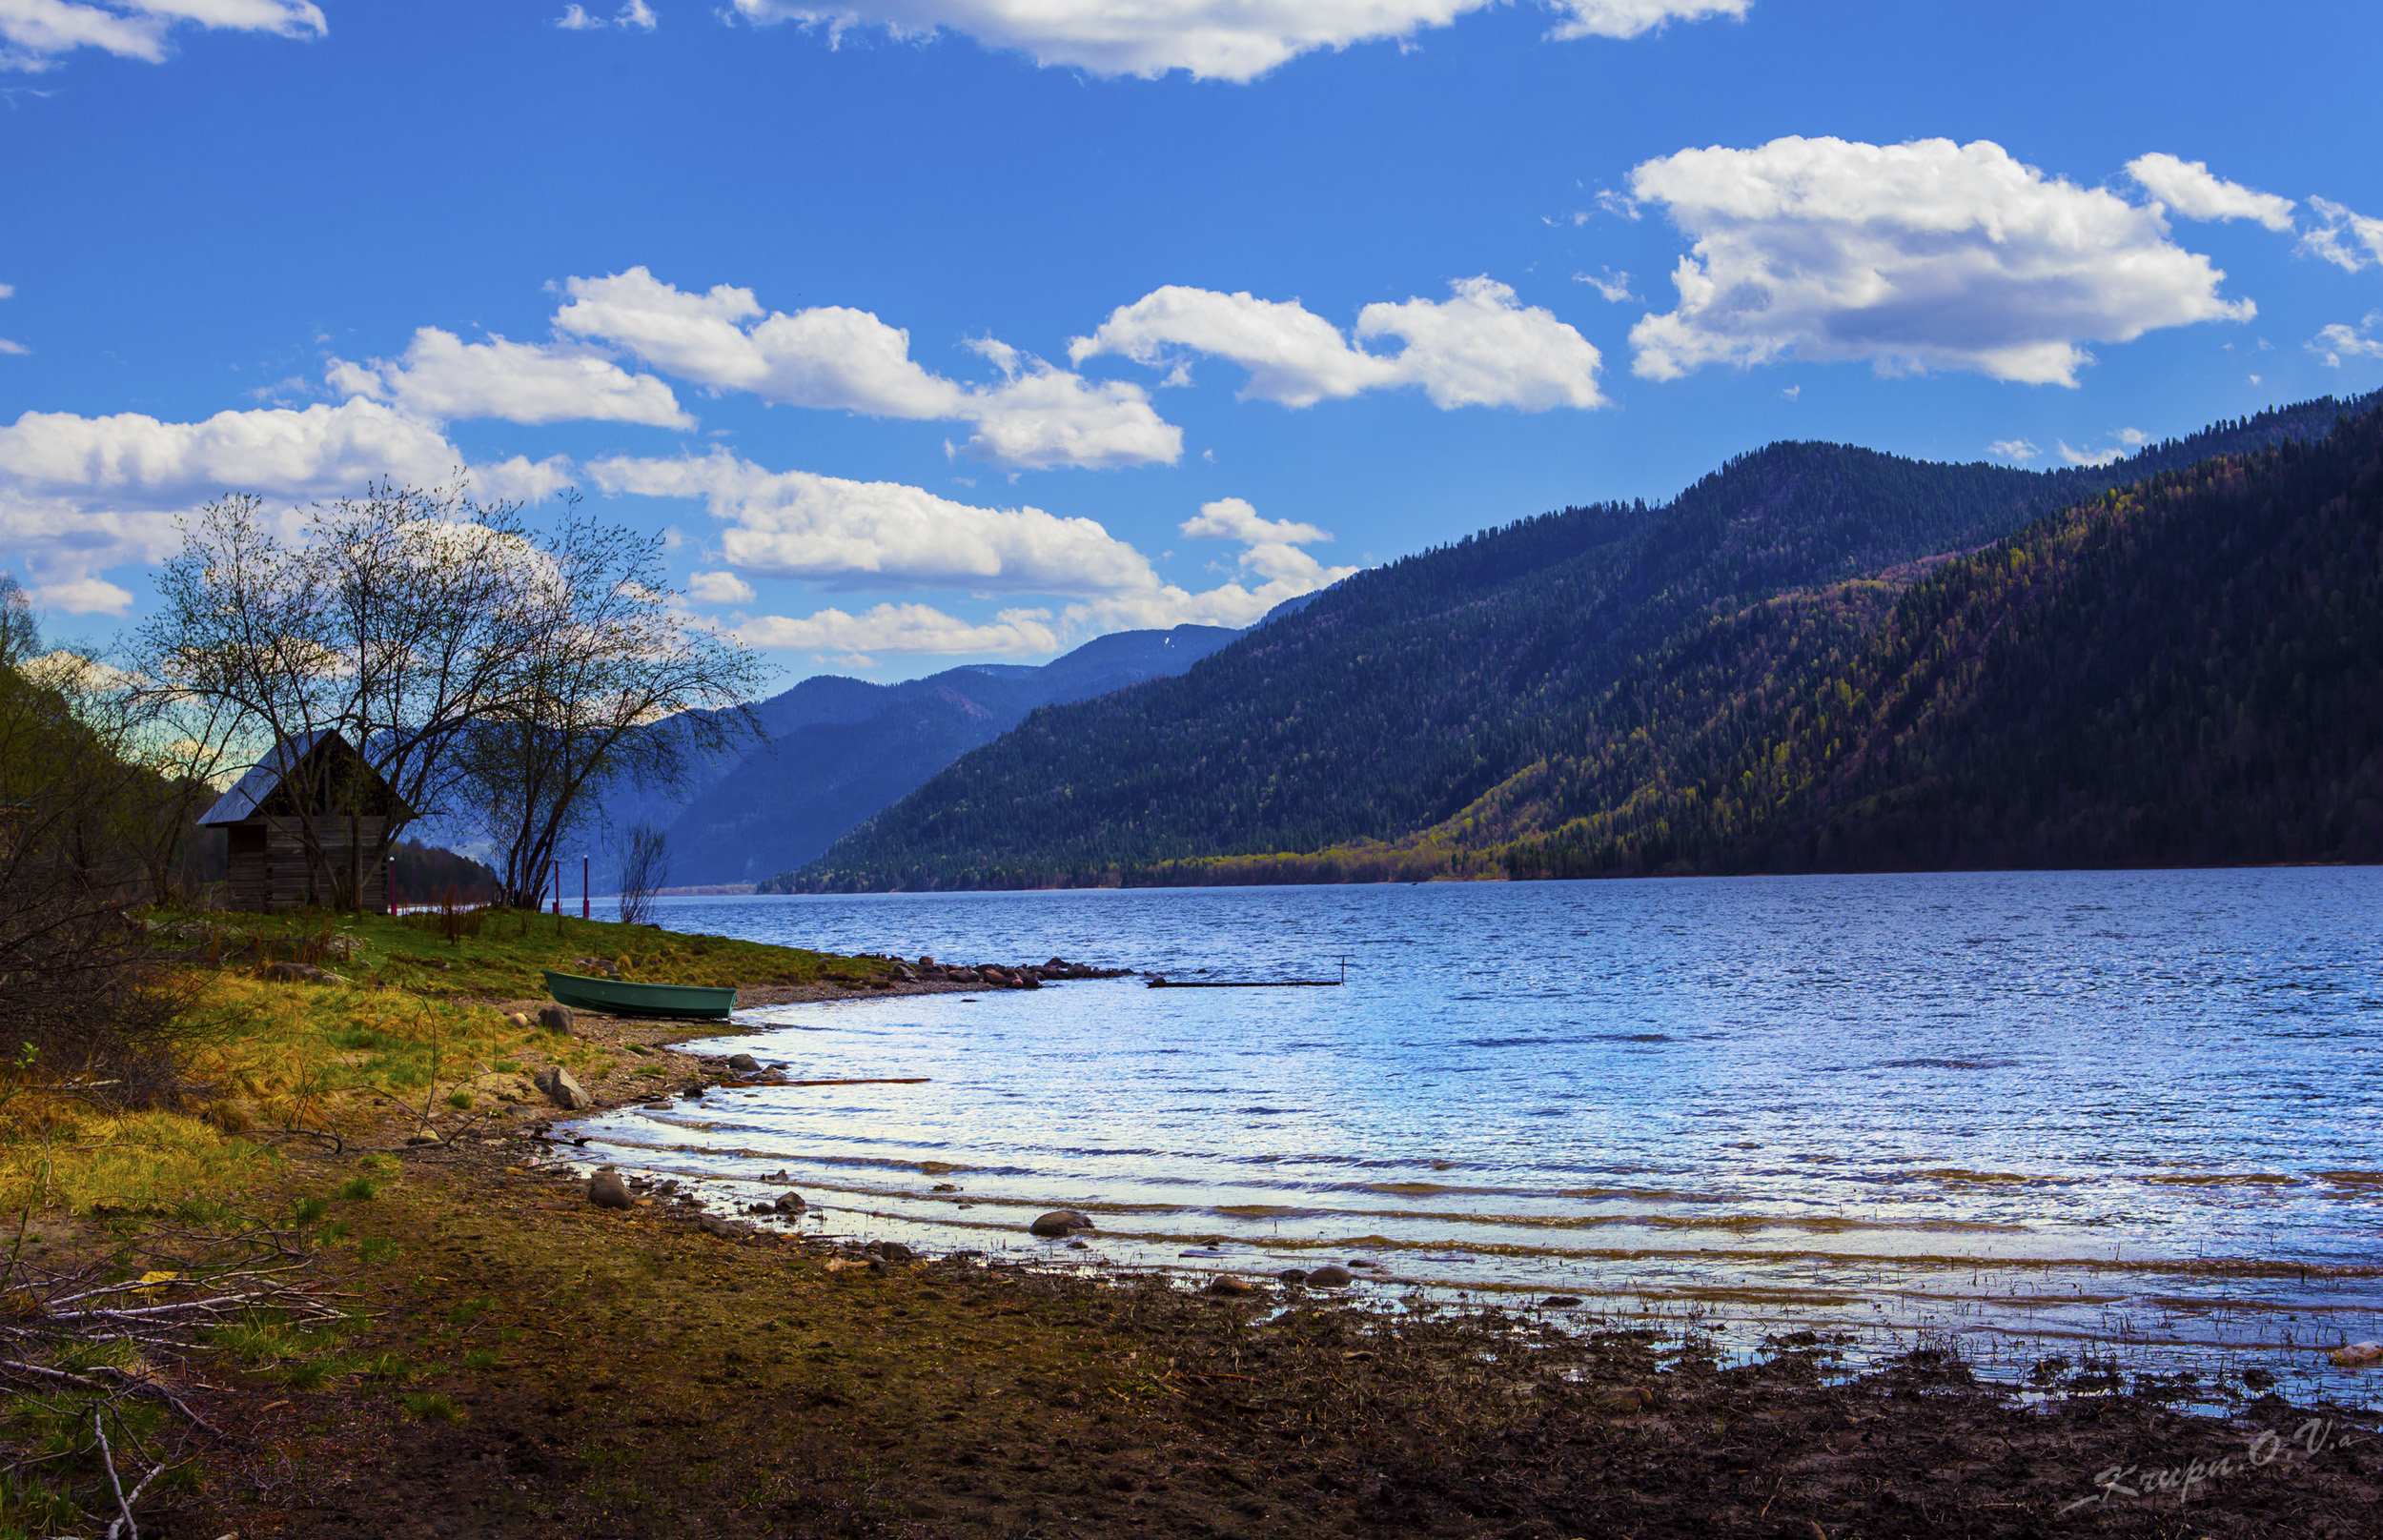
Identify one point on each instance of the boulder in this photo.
(714, 1224)
(1292, 1275)
(789, 1202)
(1059, 1223)
(1329, 1276)
(554, 1017)
(925, 961)
(743, 1062)
(606, 1191)
(1231, 1287)
(2358, 1355)
(896, 1251)
(556, 1085)
(424, 1135)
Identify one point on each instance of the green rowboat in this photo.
(618, 997)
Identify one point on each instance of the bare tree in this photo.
(644, 867)
(398, 620)
(612, 682)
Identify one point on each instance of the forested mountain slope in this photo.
(840, 749)
(1400, 697)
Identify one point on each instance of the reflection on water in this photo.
(2022, 1107)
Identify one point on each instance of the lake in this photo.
(2126, 1114)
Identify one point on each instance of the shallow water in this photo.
(2129, 1113)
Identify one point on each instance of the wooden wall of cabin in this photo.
(268, 864)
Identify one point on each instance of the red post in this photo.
(558, 892)
(393, 885)
(584, 913)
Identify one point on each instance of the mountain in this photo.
(840, 749)
(1395, 702)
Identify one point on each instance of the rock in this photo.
(896, 1251)
(925, 961)
(743, 1062)
(1292, 1275)
(655, 1106)
(1560, 1301)
(1231, 1288)
(1621, 1398)
(606, 1191)
(556, 1085)
(945, 1186)
(518, 1019)
(789, 1202)
(1024, 981)
(1058, 1223)
(1361, 1262)
(714, 1224)
(1072, 1245)
(554, 1017)
(424, 1135)
(2358, 1355)
(295, 972)
(1329, 1276)
(1056, 963)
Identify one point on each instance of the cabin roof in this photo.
(250, 792)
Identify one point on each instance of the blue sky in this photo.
(1186, 288)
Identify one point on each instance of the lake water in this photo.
(2131, 1114)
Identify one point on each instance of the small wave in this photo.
(1632, 1036)
(1946, 1063)
(2221, 1179)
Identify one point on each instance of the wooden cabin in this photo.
(348, 805)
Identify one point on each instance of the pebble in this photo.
(1059, 1222)
(1329, 1276)
(606, 1191)
(655, 1106)
(714, 1224)
(2359, 1354)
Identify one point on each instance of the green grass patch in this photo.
(359, 1189)
(429, 1407)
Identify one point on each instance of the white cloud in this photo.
(878, 534)
(443, 378)
(796, 524)
(1611, 287)
(720, 588)
(904, 628)
(1212, 39)
(2337, 341)
(79, 496)
(1479, 348)
(636, 14)
(9, 291)
(2094, 457)
(82, 596)
(2013, 449)
(1915, 256)
(2347, 240)
(836, 358)
(35, 34)
(2189, 187)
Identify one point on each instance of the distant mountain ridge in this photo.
(840, 749)
(1395, 701)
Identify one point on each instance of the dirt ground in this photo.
(555, 1369)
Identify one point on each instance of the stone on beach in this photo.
(606, 1191)
(1292, 1275)
(1231, 1288)
(556, 1085)
(2358, 1355)
(1330, 1276)
(1060, 1222)
(554, 1017)
(789, 1202)
(744, 1063)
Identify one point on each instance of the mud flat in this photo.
(535, 1365)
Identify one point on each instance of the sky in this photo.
(930, 332)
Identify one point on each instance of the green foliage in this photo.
(1397, 701)
(359, 1189)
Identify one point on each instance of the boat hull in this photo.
(623, 996)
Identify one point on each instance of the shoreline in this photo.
(589, 1372)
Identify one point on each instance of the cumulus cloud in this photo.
(79, 496)
(2013, 449)
(2189, 187)
(1211, 39)
(720, 588)
(904, 628)
(1480, 347)
(2347, 240)
(442, 377)
(35, 34)
(1915, 256)
(879, 534)
(855, 533)
(2337, 342)
(836, 358)
(636, 15)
